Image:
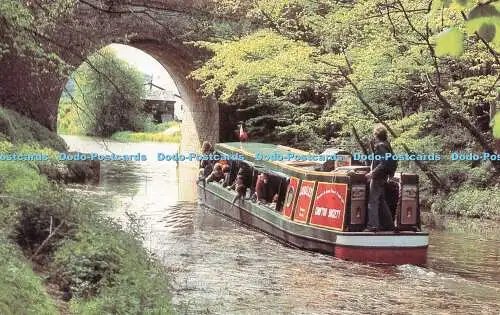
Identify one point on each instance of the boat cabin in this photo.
(327, 190)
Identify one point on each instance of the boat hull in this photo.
(377, 248)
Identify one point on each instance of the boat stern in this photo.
(383, 248)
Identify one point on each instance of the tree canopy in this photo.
(428, 70)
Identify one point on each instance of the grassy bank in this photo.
(164, 132)
(17, 129)
(20, 287)
(91, 264)
(129, 136)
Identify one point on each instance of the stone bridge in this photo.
(160, 28)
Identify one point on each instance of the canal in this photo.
(219, 267)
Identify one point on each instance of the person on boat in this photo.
(381, 171)
(274, 203)
(227, 175)
(206, 166)
(217, 174)
(261, 188)
(240, 186)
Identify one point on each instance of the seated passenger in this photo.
(217, 175)
(261, 187)
(239, 185)
(227, 175)
(246, 177)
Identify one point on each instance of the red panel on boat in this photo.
(303, 206)
(291, 196)
(330, 205)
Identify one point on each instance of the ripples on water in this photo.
(220, 267)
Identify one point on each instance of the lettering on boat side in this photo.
(306, 191)
(330, 191)
(330, 205)
(331, 213)
(304, 202)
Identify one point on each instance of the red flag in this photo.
(243, 134)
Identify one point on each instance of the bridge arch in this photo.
(32, 87)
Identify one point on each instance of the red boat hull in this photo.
(377, 255)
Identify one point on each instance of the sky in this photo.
(146, 64)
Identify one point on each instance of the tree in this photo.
(376, 60)
(107, 100)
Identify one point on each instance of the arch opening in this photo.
(121, 89)
(198, 117)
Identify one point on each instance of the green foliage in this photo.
(352, 57)
(91, 262)
(264, 60)
(150, 126)
(20, 129)
(21, 22)
(20, 288)
(472, 202)
(128, 136)
(106, 267)
(110, 272)
(21, 179)
(108, 98)
(483, 19)
(496, 126)
(450, 42)
(69, 121)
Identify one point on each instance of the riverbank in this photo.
(58, 252)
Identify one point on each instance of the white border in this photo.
(383, 240)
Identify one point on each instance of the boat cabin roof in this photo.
(266, 156)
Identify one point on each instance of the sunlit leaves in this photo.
(496, 126)
(450, 42)
(485, 21)
(482, 20)
(264, 60)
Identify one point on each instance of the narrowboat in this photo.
(318, 203)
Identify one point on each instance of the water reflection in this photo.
(220, 267)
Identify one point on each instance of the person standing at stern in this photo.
(381, 170)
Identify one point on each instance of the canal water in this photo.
(219, 267)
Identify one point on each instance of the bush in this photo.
(20, 129)
(90, 262)
(36, 219)
(20, 288)
(110, 272)
(471, 202)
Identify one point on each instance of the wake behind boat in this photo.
(317, 203)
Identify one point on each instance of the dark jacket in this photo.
(380, 169)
